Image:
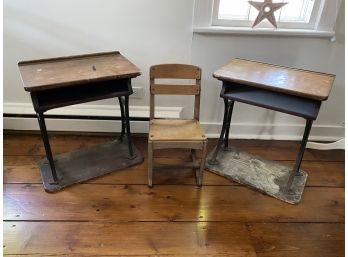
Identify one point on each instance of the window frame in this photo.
(324, 26)
(265, 24)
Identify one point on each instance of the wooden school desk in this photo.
(65, 81)
(284, 89)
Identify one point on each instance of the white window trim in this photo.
(324, 25)
(264, 24)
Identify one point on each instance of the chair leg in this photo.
(150, 165)
(194, 162)
(201, 168)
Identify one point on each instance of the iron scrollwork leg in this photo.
(229, 117)
(127, 126)
(123, 119)
(224, 130)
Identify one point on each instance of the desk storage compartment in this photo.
(290, 104)
(69, 95)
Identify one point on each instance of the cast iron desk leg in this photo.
(49, 156)
(229, 116)
(295, 171)
(121, 101)
(129, 138)
(224, 130)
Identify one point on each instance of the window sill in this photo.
(263, 31)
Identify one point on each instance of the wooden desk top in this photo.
(72, 70)
(292, 81)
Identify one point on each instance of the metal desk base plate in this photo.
(254, 171)
(81, 165)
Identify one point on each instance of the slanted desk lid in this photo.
(292, 81)
(71, 70)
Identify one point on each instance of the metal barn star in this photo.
(266, 11)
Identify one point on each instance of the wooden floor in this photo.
(118, 215)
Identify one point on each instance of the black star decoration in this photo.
(266, 11)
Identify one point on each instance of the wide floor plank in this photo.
(297, 240)
(326, 174)
(168, 203)
(23, 144)
(146, 238)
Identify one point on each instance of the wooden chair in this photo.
(176, 133)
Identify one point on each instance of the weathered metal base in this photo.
(254, 171)
(88, 163)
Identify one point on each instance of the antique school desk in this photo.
(288, 90)
(65, 81)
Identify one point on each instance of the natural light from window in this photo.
(294, 11)
(315, 18)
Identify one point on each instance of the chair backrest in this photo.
(175, 71)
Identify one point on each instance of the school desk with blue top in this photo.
(289, 90)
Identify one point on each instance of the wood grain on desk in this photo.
(72, 70)
(303, 83)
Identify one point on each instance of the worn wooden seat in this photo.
(176, 130)
(176, 133)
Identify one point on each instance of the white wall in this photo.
(159, 31)
(211, 51)
(146, 32)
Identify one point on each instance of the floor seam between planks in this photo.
(176, 221)
(159, 185)
(167, 157)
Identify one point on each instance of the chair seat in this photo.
(175, 130)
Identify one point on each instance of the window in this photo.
(299, 14)
(313, 18)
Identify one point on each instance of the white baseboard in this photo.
(95, 110)
(212, 129)
(275, 131)
(340, 144)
